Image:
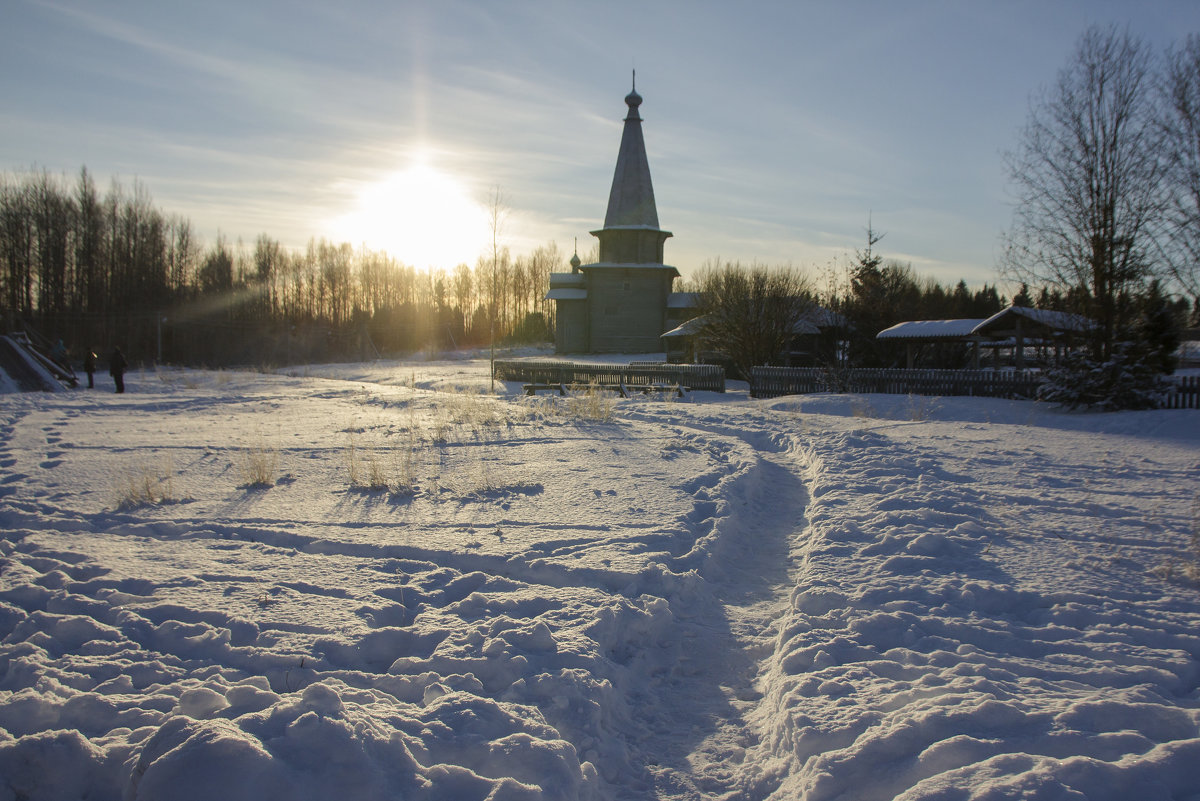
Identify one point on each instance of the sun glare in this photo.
(419, 215)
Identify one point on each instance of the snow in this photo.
(1057, 320)
(931, 329)
(815, 597)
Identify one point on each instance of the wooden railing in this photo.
(771, 382)
(708, 377)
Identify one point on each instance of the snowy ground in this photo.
(373, 581)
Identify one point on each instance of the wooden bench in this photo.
(622, 389)
(675, 389)
(531, 389)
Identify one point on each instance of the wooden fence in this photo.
(709, 377)
(771, 382)
(1185, 394)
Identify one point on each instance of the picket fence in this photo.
(771, 382)
(1185, 394)
(708, 377)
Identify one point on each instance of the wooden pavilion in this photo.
(1015, 328)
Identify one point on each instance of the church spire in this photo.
(631, 200)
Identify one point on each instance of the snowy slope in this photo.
(442, 595)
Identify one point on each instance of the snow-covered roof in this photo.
(822, 317)
(931, 329)
(804, 326)
(687, 329)
(575, 280)
(999, 323)
(693, 326)
(563, 293)
(615, 265)
(1054, 320)
(683, 300)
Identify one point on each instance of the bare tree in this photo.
(216, 271)
(89, 247)
(497, 213)
(751, 313)
(17, 243)
(1181, 128)
(464, 291)
(54, 213)
(1088, 177)
(542, 262)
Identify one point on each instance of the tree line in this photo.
(756, 311)
(876, 294)
(99, 270)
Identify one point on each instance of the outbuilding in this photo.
(1015, 328)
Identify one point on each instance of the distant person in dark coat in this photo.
(89, 367)
(116, 368)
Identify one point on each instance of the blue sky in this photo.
(774, 130)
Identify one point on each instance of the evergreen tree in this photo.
(1156, 332)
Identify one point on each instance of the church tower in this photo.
(619, 303)
(631, 233)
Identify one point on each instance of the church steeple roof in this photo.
(631, 200)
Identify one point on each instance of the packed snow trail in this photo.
(742, 561)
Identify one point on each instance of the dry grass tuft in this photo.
(592, 403)
(374, 469)
(1185, 569)
(258, 465)
(920, 407)
(143, 485)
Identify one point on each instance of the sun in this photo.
(418, 215)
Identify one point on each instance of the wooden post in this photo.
(1019, 355)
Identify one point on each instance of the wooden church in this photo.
(622, 303)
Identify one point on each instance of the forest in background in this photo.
(104, 270)
(99, 270)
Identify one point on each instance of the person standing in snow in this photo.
(89, 367)
(116, 368)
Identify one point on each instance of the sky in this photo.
(776, 132)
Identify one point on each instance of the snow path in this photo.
(747, 570)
